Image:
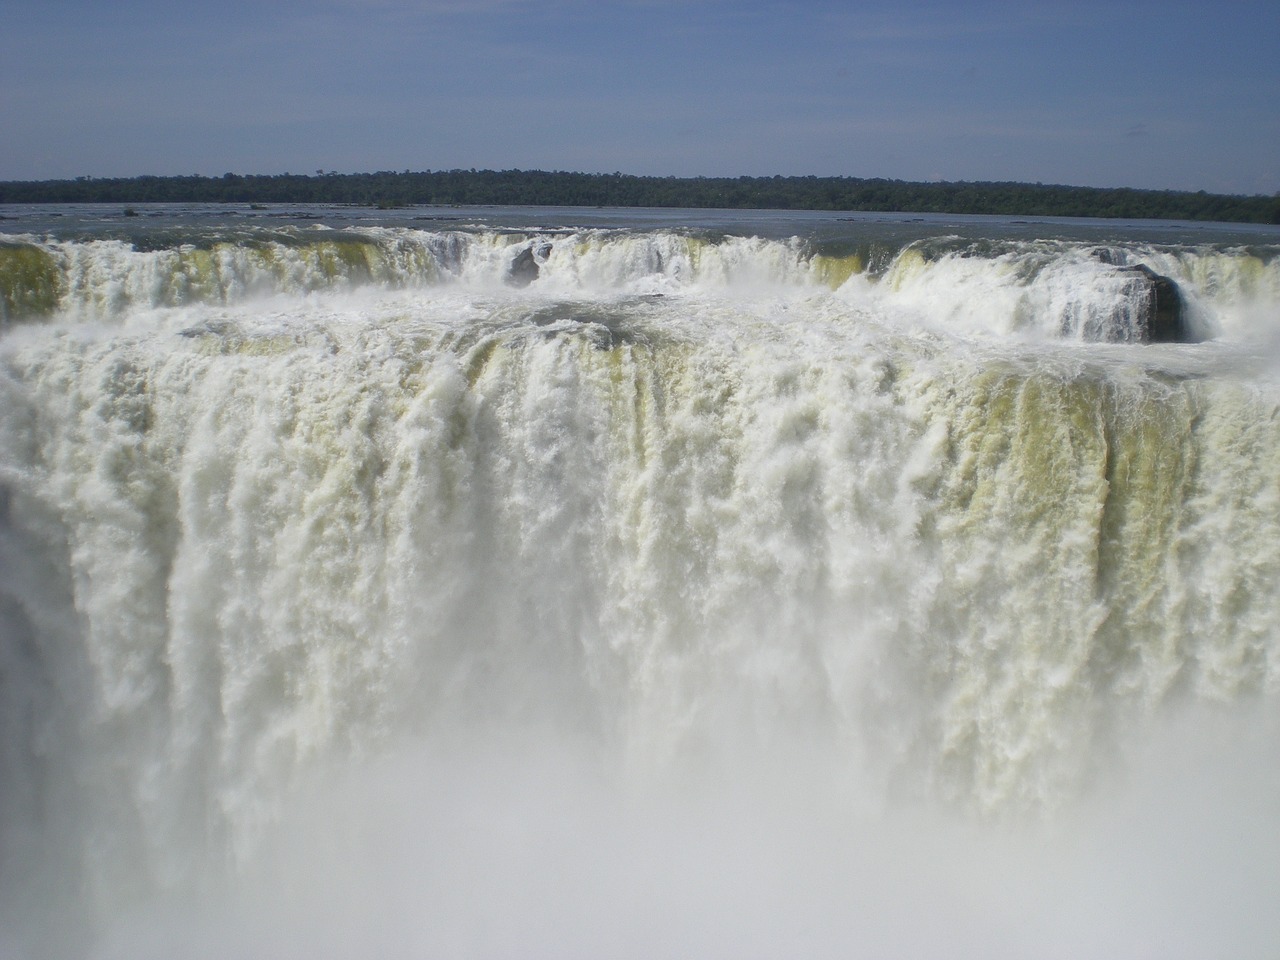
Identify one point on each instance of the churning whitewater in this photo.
(604, 583)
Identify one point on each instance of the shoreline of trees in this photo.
(389, 189)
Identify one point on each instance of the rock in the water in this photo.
(1163, 319)
(1161, 315)
(524, 268)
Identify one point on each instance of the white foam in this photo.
(464, 618)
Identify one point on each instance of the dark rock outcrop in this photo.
(1161, 312)
(1163, 319)
(524, 268)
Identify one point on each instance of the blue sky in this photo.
(1166, 95)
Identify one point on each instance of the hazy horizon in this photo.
(478, 170)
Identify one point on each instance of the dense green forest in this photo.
(535, 187)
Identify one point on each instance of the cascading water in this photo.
(376, 591)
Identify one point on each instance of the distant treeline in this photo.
(534, 187)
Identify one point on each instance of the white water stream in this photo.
(357, 603)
